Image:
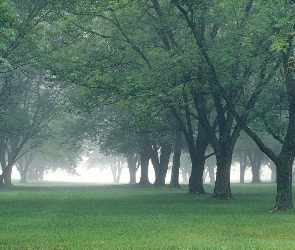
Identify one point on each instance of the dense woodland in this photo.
(149, 80)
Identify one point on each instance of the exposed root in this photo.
(278, 209)
(275, 209)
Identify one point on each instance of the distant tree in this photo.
(28, 109)
(50, 150)
(107, 162)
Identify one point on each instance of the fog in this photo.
(95, 175)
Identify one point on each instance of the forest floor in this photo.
(76, 216)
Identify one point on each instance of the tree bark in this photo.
(284, 162)
(243, 165)
(144, 158)
(222, 187)
(196, 179)
(7, 176)
(174, 183)
(132, 161)
(198, 162)
(1, 181)
(163, 166)
(23, 165)
(284, 199)
(256, 161)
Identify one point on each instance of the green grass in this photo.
(123, 217)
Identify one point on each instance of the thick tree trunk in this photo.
(7, 176)
(145, 158)
(163, 166)
(222, 187)
(256, 174)
(1, 181)
(256, 161)
(174, 183)
(196, 179)
(131, 161)
(198, 158)
(284, 162)
(242, 173)
(132, 175)
(23, 165)
(144, 175)
(284, 165)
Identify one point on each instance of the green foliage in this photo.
(141, 60)
(7, 33)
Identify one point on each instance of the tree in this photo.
(111, 162)
(282, 51)
(207, 35)
(30, 106)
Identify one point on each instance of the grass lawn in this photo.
(126, 217)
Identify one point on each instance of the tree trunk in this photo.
(284, 161)
(7, 176)
(243, 165)
(163, 166)
(242, 173)
(256, 174)
(131, 161)
(23, 165)
(132, 175)
(222, 188)
(1, 180)
(144, 158)
(116, 168)
(198, 158)
(174, 183)
(256, 161)
(196, 179)
(284, 165)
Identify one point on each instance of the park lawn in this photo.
(128, 217)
